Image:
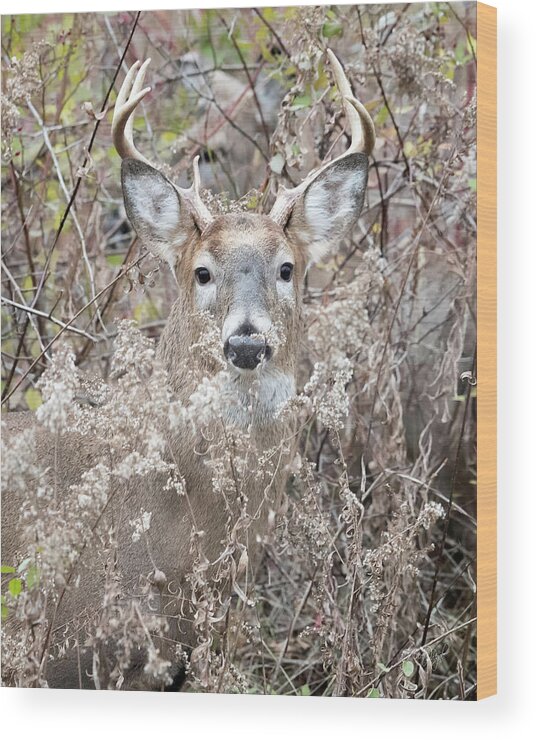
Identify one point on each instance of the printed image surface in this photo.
(239, 421)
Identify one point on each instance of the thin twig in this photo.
(91, 142)
(72, 320)
(418, 238)
(449, 508)
(6, 393)
(413, 652)
(44, 315)
(250, 79)
(65, 191)
(272, 31)
(385, 97)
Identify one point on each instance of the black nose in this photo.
(246, 352)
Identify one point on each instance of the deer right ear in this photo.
(155, 211)
(329, 205)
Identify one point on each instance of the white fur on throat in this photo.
(256, 397)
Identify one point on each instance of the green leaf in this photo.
(115, 260)
(300, 102)
(33, 398)
(27, 284)
(383, 667)
(32, 577)
(15, 586)
(410, 150)
(168, 137)
(407, 668)
(23, 565)
(145, 311)
(382, 115)
(373, 694)
(7, 569)
(471, 43)
(331, 29)
(305, 690)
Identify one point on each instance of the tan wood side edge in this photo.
(486, 351)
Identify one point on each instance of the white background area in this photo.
(41, 714)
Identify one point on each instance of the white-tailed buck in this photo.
(246, 272)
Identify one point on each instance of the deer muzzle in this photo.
(246, 351)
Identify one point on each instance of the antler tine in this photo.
(200, 212)
(361, 125)
(137, 89)
(129, 97)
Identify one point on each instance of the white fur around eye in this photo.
(285, 288)
(206, 294)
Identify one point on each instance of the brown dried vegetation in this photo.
(366, 587)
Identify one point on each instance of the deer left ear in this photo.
(329, 205)
(154, 208)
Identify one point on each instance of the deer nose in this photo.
(246, 352)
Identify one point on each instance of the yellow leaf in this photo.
(410, 150)
(145, 311)
(27, 284)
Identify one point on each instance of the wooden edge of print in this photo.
(486, 351)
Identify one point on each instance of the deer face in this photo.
(247, 275)
(246, 270)
(242, 269)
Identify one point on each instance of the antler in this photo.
(130, 95)
(361, 125)
(363, 138)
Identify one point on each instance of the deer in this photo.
(246, 270)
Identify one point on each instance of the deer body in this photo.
(165, 549)
(246, 272)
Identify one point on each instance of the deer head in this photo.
(246, 270)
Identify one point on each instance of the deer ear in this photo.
(155, 211)
(329, 205)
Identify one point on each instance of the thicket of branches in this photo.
(367, 583)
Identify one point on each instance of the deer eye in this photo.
(286, 271)
(202, 275)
